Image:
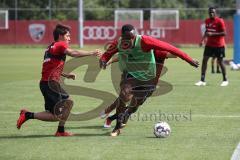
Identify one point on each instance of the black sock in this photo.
(224, 78)
(203, 77)
(29, 115)
(60, 129)
(113, 117)
(118, 125)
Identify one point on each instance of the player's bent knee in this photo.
(62, 109)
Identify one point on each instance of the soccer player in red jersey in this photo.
(160, 57)
(57, 101)
(215, 45)
(138, 66)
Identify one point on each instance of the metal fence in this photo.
(49, 13)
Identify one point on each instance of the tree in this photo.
(104, 9)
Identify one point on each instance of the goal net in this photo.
(164, 19)
(133, 17)
(3, 19)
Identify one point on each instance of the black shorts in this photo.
(52, 93)
(140, 89)
(218, 52)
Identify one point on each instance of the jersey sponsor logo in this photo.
(99, 32)
(37, 31)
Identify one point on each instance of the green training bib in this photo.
(141, 65)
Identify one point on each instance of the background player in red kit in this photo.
(57, 102)
(215, 45)
(137, 63)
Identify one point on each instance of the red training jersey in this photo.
(148, 43)
(160, 57)
(215, 25)
(54, 60)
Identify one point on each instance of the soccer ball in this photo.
(161, 130)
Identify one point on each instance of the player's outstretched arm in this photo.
(113, 60)
(149, 43)
(81, 53)
(111, 50)
(169, 55)
(104, 64)
(194, 63)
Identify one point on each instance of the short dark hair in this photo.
(60, 29)
(127, 28)
(211, 8)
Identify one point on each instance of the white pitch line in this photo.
(215, 116)
(236, 153)
(8, 112)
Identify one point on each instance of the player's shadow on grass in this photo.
(90, 134)
(86, 127)
(153, 137)
(47, 136)
(25, 136)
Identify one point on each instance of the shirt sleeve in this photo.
(111, 50)
(222, 26)
(149, 43)
(60, 48)
(160, 54)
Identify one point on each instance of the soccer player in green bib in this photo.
(137, 62)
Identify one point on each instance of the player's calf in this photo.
(125, 93)
(62, 109)
(109, 109)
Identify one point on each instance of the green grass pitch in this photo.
(204, 120)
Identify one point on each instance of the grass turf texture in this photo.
(207, 129)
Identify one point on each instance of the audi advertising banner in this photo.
(100, 32)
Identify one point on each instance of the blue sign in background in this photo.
(236, 56)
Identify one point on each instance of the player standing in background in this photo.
(57, 102)
(138, 66)
(215, 45)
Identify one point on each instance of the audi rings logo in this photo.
(99, 32)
